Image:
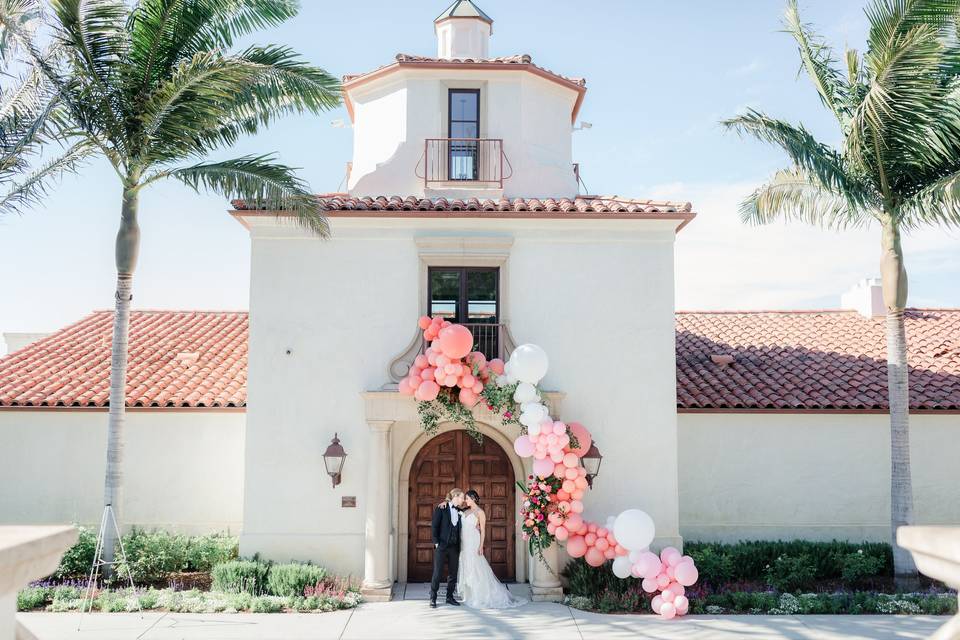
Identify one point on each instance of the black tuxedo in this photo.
(446, 542)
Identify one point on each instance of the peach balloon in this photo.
(571, 460)
(602, 532)
(602, 544)
(582, 531)
(577, 495)
(496, 365)
(577, 507)
(595, 557)
(558, 470)
(455, 340)
(609, 554)
(551, 528)
(556, 456)
(561, 533)
(563, 495)
(468, 398)
(424, 322)
(478, 388)
(583, 438)
(574, 521)
(563, 505)
(570, 474)
(569, 486)
(576, 546)
(621, 551)
(591, 538)
(428, 390)
(593, 527)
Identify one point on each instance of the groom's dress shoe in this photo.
(453, 602)
(433, 604)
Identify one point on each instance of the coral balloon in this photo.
(455, 341)
(570, 474)
(601, 544)
(610, 553)
(574, 520)
(523, 447)
(496, 365)
(424, 322)
(595, 557)
(428, 390)
(576, 546)
(591, 538)
(583, 438)
(467, 397)
(571, 461)
(576, 506)
(561, 533)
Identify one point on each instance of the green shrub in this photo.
(206, 552)
(241, 576)
(581, 602)
(152, 555)
(33, 598)
(78, 559)
(267, 604)
(588, 581)
(291, 579)
(713, 565)
(788, 573)
(855, 567)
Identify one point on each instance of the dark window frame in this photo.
(454, 147)
(463, 303)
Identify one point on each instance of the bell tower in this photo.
(463, 31)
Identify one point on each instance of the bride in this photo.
(477, 586)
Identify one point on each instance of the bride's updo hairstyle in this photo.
(473, 495)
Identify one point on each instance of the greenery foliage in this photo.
(448, 408)
(241, 576)
(292, 579)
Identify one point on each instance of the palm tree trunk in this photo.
(894, 277)
(127, 249)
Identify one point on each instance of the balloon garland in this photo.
(449, 379)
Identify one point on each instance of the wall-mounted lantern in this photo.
(591, 462)
(333, 459)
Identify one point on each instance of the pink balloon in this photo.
(405, 388)
(668, 611)
(621, 551)
(686, 573)
(670, 556)
(523, 446)
(610, 553)
(649, 584)
(677, 588)
(591, 538)
(467, 381)
(561, 533)
(571, 460)
(428, 390)
(601, 544)
(430, 373)
(559, 428)
(569, 486)
(602, 532)
(563, 506)
(649, 565)
(595, 557)
(663, 581)
(556, 456)
(421, 362)
(583, 438)
(669, 571)
(450, 381)
(593, 527)
(682, 604)
(570, 474)
(667, 595)
(656, 603)
(534, 437)
(542, 468)
(574, 520)
(555, 518)
(496, 365)
(577, 507)
(582, 531)
(455, 341)
(478, 387)
(576, 546)
(563, 440)
(551, 528)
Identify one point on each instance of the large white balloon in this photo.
(529, 363)
(621, 566)
(525, 393)
(634, 529)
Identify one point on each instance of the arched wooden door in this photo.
(454, 459)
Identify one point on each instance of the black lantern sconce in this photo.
(591, 462)
(333, 459)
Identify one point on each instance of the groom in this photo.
(446, 545)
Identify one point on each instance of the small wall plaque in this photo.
(348, 501)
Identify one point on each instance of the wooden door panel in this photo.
(454, 459)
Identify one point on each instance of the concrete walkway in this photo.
(413, 619)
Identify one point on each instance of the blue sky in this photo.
(660, 75)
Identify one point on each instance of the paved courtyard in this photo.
(413, 619)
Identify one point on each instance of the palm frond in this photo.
(817, 159)
(794, 196)
(936, 203)
(817, 59)
(258, 180)
(29, 192)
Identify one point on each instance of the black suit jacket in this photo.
(444, 534)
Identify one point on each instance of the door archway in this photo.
(454, 459)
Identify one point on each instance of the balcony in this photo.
(492, 340)
(460, 162)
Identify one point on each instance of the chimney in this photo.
(17, 340)
(866, 298)
(463, 31)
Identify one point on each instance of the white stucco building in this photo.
(462, 201)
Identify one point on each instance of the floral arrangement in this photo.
(448, 379)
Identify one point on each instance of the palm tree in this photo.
(29, 117)
(898, 165)
(154, 86)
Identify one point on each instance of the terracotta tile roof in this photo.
(579, 204)
(738, 361)
(177, 359)
(812, 360)
(506, 61)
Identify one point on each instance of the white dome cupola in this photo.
(463, 32)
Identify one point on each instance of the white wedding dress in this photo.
(477, 586)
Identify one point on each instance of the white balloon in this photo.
(634, 555)
(502, 381)
(525, 392)
(621, 567)
(634, 529)
(533, 429)
(529, 362)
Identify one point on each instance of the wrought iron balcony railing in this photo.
(463, 160)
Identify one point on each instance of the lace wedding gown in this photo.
(477, 586)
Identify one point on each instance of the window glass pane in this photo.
(482, 296)
(445, 294)
(463, 130)
(464, 105)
